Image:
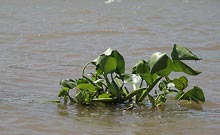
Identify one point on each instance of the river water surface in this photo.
(43, 41)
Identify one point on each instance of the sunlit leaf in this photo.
(87, 86)
(108, 52)
(104, 95)
(160, 62)
(181, 53)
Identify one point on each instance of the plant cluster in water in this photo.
(108, 83)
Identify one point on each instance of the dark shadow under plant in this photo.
(108, 82)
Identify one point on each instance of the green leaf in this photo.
(120, 62)
(87, 86)
(181, 53)
(79, 97)
(110, 61)
(114, 89)
(142, 68)
(167, 70)
(180, 83)
(160, 63)
(179, 94)
(105, 95)
(195, 94)
(69, 83)
(179, 66)
(108, 64)
(63, 92)
(98, 70)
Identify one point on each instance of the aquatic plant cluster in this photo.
(150, 80)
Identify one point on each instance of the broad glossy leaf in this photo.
(167, 70)
(109, 53)
(114, 89)
(108, 64)
(180, 83)
(120, 62)
(142, 68)
(195, 94)
(97, 61)
(69, 83)
(160, 63)
(179, 66)
(81, 81)
(87, 86)
(181, 53)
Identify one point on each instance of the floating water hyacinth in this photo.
(108, 83)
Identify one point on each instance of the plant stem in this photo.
(168, 79)
(84, 67)
(147, 91)
(104, 100)
(141, 83)
(133, 93)
(106, 79)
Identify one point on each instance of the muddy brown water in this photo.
(43, 41)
